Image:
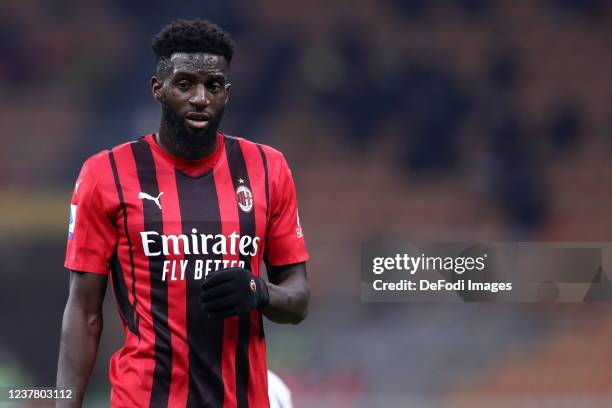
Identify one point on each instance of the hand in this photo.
(232, 291)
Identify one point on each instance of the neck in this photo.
(167, 139)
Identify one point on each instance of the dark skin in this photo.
(191, 84)
(81, 329)
(193, 90)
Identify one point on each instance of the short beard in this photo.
(192, 144)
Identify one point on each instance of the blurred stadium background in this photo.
(402, 119)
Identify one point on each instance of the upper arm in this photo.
(285, 243)
(87, 291)
(92, 234)
(296, 273)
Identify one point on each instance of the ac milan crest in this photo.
(245, 198)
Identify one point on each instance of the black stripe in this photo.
(200, 210)
(120, 290)
(265, 166)
(267, 185)
(145, 167)
(238, 171)
(119, 284)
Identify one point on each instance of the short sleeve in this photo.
(92, 236)
(285, 240)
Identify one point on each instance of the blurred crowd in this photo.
(500, 90)
(408, 119)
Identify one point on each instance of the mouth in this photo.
(197, 120)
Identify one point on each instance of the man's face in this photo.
(193, 89)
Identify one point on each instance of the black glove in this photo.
(232, 291)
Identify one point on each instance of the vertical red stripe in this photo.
(120, 276)
(258, 380)
(229, 224)
(177, 307)
(258, 376)
(131, 371)
(123, 253)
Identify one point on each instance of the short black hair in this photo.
(193, 36)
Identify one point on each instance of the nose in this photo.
(199, 98)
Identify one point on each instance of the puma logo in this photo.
(145, 196)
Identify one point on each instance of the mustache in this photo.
(182, 135)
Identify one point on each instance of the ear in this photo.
(156, 88)
(227, 91)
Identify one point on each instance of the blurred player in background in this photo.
(181, 220)
(280, 396)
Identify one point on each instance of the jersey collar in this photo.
(193, 168)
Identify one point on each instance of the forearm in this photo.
(78, 350)
(288, 300)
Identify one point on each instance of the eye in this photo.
(183, 85)
(215, 87)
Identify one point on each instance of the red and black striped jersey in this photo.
(159, 224)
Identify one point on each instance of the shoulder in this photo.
(273, 156)
(99, 168)
(101, 161)
(97, 161)
(270, 152)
